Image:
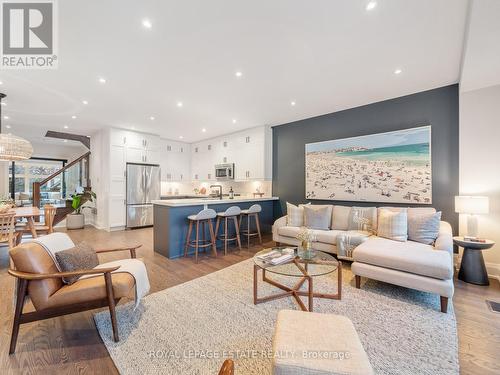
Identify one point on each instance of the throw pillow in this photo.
(393, 225)
(424, 228)
(294, 215)
(363, 218)
(317, 217)
(340, 217)
(80, 257)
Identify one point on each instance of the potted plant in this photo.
(76, 220)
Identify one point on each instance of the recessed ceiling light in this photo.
(151, 118)
(181, 137)
(147, 23)
(204, 130)
(179, 104)
(8, 126)
(397, 71)
(238, 74)
(1, 83)
(6, 117)
(73, 117)
(65, 126)
(85, 102)
(4, 104)
(371, 5)
(234, 121)
(65, 140)
(102, 80)
(292, 103)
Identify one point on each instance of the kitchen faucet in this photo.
(220, 189)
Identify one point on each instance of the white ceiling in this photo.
(481, 63)
(326, 55)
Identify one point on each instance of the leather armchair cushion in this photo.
(32, 257)
(91, 289)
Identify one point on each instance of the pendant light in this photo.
(13, 147)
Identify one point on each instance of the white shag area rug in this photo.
(191, 328)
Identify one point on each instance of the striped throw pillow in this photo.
(393, 225)
(294, 215)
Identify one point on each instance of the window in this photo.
(23, 173)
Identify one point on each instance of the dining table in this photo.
(29, 213)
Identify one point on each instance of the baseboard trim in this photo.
(493, 270)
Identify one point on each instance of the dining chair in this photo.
(47, 227)
(49, 213)
(7, 229)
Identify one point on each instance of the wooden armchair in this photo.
(38, 277)
(227, 367)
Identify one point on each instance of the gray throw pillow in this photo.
(317, 217)
(424, 228)
(80, 257)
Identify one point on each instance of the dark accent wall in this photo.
(437, 107)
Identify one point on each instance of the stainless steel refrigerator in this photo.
(143, 187)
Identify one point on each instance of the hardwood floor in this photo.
(71, 344)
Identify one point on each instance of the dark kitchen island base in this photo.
(171, 223)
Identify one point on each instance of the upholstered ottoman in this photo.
(308, 343)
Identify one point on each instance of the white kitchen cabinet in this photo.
(135, 155)
(249, 150)
(175, 161)
(117, 180)
(224, 150)
(196, 160)
(249, 157)
(142, 141)
(152, 156)
(117, 212)
(118, 137)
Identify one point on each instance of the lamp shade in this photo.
(467, 204)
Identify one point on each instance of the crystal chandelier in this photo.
(13, 147)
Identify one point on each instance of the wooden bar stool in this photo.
(231, 213)
(203, 217)
(253, 211)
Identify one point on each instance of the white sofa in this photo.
(410, 264)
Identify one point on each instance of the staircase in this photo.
(58, 187)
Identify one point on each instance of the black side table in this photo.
(472, 269)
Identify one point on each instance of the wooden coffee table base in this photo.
(295, 291)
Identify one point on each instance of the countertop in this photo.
(209, 201)
(182, 196)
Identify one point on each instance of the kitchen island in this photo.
(171, 223)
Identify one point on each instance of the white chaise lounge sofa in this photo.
(410, 264)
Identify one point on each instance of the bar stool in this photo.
(203, 217)
(231, 213)
(253, 211)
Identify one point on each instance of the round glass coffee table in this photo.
(321, 264)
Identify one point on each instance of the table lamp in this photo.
(471, 205)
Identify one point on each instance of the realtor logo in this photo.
(28, 35)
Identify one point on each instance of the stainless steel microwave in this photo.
(224, 171)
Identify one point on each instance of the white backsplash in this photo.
(245, 188)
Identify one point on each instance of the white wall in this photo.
(58, 151)
(480, 121)
(479, 162)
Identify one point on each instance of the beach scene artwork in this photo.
(392, 167)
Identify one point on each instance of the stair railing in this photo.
(82, 163)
